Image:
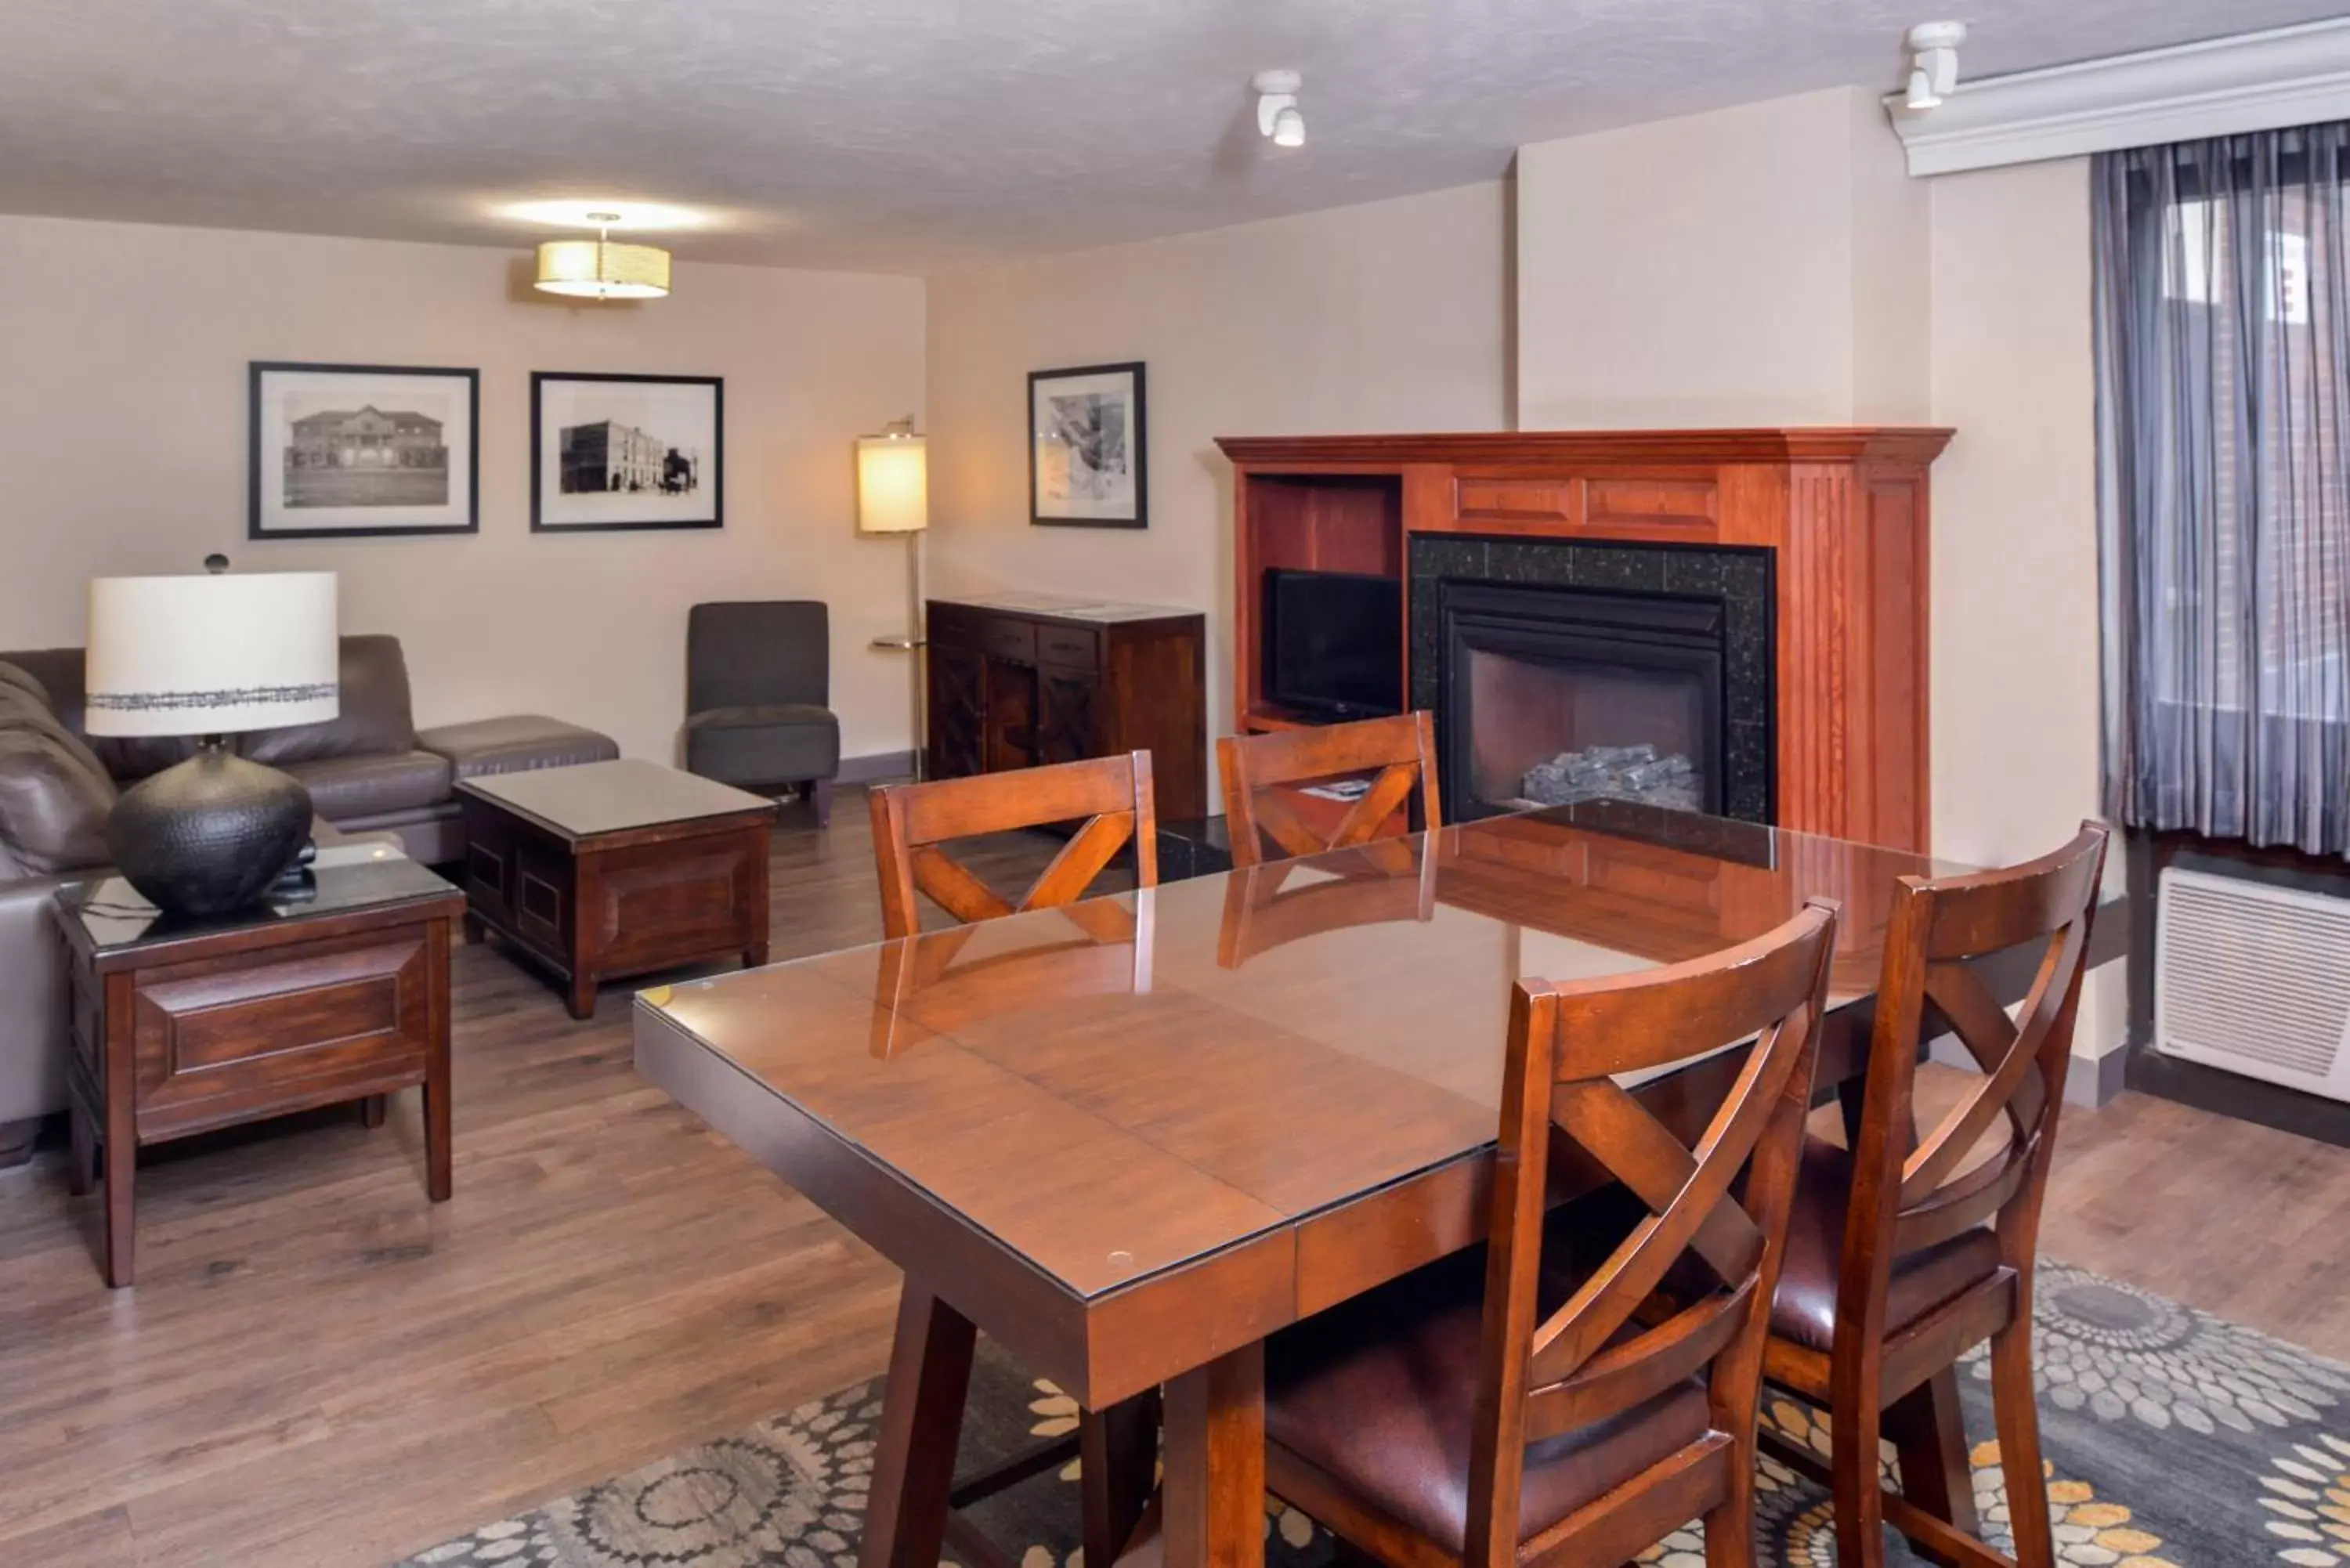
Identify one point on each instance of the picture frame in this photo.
(1088, 447)
(611, 452)
(353, 451)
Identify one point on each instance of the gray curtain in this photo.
(2223, 403)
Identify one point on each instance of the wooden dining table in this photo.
(1130, 1138)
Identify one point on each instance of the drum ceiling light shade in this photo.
(601, 268)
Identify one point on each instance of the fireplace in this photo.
(1562, 672)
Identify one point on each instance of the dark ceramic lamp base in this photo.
(211, 835)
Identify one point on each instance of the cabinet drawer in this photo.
(956, 625)
(1012, 639)
(1067, 645)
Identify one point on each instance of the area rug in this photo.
(2173, 1440)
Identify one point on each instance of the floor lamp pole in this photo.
(915, 639)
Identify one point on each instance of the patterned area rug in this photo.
(2174, 1440)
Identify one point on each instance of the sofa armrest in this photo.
(33, 980)
(516, 744)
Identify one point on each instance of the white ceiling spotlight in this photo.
(1934, 69)
(1276, 107)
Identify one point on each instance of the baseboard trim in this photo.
(876, 767)
(2089, 1084)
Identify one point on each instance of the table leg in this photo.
(81, 1138)
(1213, 1491)
(436, 1074)
(921, 1420)
(122, 1214)
(1930, 1435)
(374, 1110)
(581, 998)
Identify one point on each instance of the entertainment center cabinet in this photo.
(1019, 679)
(1764, 591)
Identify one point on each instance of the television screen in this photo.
(1332, 641)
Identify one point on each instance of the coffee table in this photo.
(608, 869)
(184, 1024)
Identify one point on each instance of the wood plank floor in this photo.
(317, 1368)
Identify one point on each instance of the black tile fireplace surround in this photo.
(1693, 621)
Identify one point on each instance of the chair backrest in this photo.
(1724, 1199)
(909, 822)
(751, 654)
(1910, 1192)
(1402, 748)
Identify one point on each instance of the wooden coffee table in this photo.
(616, 869)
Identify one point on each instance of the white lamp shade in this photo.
(893, 484)
(603, 269)
(211, 655)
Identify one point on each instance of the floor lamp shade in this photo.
(893, 484)
(211, 655)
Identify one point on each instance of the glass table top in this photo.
(345, 879)
(1117, 1087)
(590, 798)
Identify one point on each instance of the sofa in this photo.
(370, 771)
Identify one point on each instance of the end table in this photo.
(182, 1025)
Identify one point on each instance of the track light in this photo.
(1276, 108)
(1934, 67)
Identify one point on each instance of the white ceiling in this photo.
(904, 135)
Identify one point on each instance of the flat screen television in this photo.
(1333, 642)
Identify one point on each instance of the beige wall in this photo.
(1390, 316)
(2015, 693)
(1764, 264)
(122, 433)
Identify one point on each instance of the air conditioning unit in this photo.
(2254, 979)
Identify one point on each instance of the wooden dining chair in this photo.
(1117, 1448)
(1521, 1404)
(1402, 749)
(911, 821)
(1904, 1253)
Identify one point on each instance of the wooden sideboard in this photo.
(1842, 511)
(1015, 681)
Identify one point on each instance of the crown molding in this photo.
(2221, 86)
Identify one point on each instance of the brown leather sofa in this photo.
(370, 771)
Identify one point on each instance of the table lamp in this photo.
(210, 656)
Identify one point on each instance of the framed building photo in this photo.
(626, 451)
(338, 451)
(1086, 448)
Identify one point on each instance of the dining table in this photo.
(1130, 1138)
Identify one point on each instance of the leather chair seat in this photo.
(1379, 1394)
(1805, 1308)
(344, 788)
(764, 743)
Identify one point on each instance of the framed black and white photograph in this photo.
(626, 451)
(351, 451)
(1086, 448)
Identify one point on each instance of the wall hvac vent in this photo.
(2254, 979)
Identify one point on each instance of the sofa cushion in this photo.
(375, 718)
(22, 694)
(516, 744)
(784, 743)
(342, 788)
(54, 802)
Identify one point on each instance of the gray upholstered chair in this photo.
(758, 683)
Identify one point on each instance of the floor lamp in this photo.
(893, 496)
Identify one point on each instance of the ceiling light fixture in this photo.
(1934, 68)
(602, 269)
(1276, 108)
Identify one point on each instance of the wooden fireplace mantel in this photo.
(1843, 511)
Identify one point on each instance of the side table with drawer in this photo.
(184, 1025)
